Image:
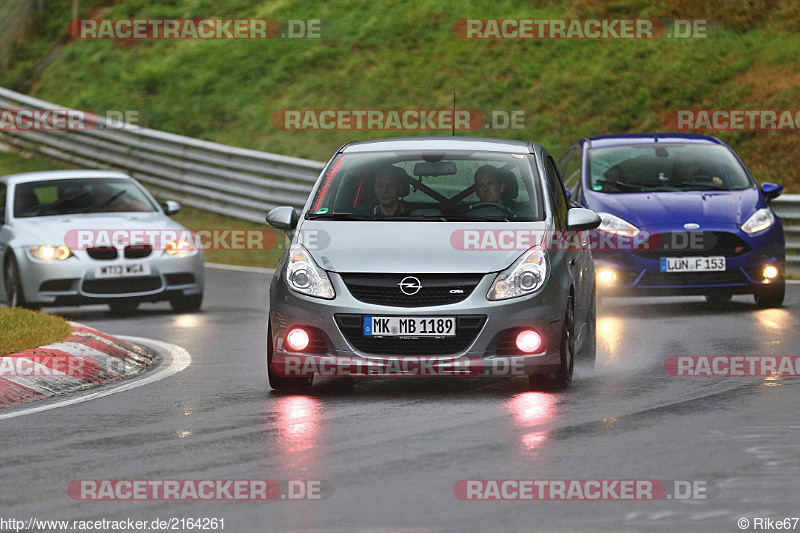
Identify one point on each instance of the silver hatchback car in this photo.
(75, 237)
(433, 256)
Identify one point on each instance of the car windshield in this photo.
(73, 196)
(662, 167)
(429, 186)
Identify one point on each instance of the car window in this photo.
(79, 195)
(662, 167)
(434, 186)
(557, 194)
(570, 168)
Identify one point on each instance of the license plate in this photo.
(692, 264)
(122, 271)
(411, 326)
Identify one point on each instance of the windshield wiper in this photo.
(59, 203)
(105, 204)
(339, 216)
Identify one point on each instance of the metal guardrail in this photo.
(224, 179)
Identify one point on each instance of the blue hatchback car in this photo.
(696, 221)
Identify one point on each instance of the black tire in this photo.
(123, 307)
(562, 377)
(588, 351)
(719, 298)
(15, 295)
(770, 296)
(184, 304)
(284, 383)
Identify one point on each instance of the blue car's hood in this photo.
(669, 208)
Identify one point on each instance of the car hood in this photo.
(645, 210)
(409, 247)
(54, 229)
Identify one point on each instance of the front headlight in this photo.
(180, 247)
(759, 221)
(304, 276)
(613, 224)
(526, 276)
(49, 252)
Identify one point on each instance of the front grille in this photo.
(467, 328)
(437, 289)
(121, 285)
(692, 243)
(102, 253)
(138, 251)
(180, 279)
(662, 279)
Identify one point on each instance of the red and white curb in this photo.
(83, 360)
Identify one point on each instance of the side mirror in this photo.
(579, 218)
(171, 208)
(284, 217)
(771, 190)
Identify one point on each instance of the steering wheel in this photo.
(495, 205)
(700, 177)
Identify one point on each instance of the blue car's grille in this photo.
(677, 279)
(696, 243)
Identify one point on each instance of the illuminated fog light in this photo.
(770, 272)
(297, 340)
(529, 341)
(606, 275)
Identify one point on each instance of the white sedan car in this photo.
(76, 237)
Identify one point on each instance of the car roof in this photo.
(649, 138)
(61, 174)
(484, 144)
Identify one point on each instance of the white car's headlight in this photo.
(181, 247)
(526, 276)
(613, 224)
(759, 221)
(304, 276)
(49, 252)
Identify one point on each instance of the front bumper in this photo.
(639, 276)
(73, 282)
(542, 312)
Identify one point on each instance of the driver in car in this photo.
(488, 185)
(687, 170)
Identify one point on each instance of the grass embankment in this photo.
(21, 329)
(395, 54)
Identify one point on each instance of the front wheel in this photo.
(770, 296)
(15, 297)
(284, 383)
(186, 304)
(563, 376)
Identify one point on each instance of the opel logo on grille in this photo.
(691, 225)
(410, 285)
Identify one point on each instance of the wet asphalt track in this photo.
(393, 448)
